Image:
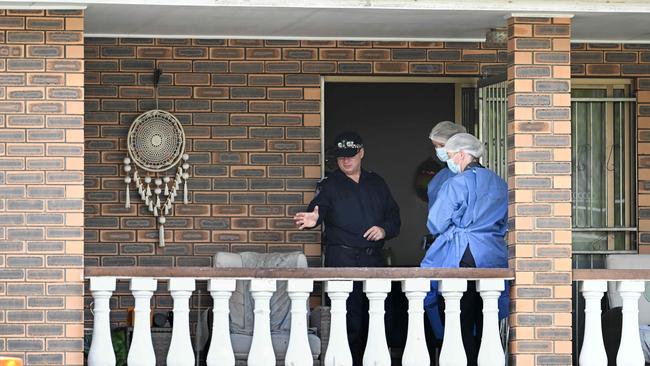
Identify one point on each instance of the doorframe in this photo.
(459, 84)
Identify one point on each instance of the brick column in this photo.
(41, 186)
(643, 126)
(539, 154)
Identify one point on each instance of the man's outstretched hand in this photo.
(306, 220)
(375, 233)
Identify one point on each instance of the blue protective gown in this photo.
(471, 209)
(436, 183)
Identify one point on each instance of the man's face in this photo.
(351, 165)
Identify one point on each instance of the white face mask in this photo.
(455, 168)
(441, 153)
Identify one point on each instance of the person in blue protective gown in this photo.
(469, 219)
(439, 135)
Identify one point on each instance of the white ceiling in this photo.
(426, 20)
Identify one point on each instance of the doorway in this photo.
(394, 120)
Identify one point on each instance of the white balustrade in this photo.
(220, 352)
(452, 352)
(415, 350)
(298, 351)
(338, 350)
(593, 348)
(630, 352)
(491, 351)
(337, 353)
(180, 350)
(261, 351)
(101, 349)
(376, 352)
(141, 351)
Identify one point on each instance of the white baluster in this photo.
(630, 352)
(180, 350)
(101, 349)
(261, 352)
(415, 350)
(221, 352)
(338, 350)
(376, 352)
(298, 351)
(141, 351)
(593, 348)
(452, 352)
(491, 351)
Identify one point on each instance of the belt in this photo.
(367, 250)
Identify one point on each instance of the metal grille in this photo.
(603, 176)
(493, 109)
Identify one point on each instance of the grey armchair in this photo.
(241, 306)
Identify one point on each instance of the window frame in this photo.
(630, 154)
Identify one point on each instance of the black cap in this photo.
(347, 144)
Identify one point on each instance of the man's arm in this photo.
(316, 210)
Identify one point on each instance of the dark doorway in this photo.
(394, 120)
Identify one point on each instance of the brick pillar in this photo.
(643, 125)
(539, 153)
(41, 186)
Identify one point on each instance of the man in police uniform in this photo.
(360, 214)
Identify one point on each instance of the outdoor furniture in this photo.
(612, 319)
(241, 306)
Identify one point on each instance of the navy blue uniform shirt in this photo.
(349, 209)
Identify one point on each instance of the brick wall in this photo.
(41, 186)
(539, 144)
(251, 114)
(250, 110)
(610, 60)
(643, 162)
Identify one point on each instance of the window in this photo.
(493, 132)
(603, 176)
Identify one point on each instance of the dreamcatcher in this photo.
(156, 144)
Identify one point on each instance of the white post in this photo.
(261, 352)
(338, 350)
(141, 351)
(630, 352)
(415, 350)
(221, 352)
(491, 351)
(180, 350)
(593, 348)
(298, 351)
(452, 352)
(101, 349)
(376, 352)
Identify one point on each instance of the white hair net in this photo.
(467, 143)
(442, 131)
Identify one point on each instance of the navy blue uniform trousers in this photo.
(357, 304)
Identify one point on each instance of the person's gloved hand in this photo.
(427, 240)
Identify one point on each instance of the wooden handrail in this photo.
(314, 273)
(611, 274)
(350, 273)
